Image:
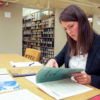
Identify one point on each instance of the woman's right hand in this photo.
(52, 63)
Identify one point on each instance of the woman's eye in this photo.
(70, 26)
(65, 29)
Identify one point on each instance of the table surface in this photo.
(25, 84)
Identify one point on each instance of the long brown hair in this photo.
(85, 35)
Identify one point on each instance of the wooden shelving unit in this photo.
(39, 34)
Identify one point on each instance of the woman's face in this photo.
(71, 28)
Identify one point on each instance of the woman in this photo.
(82, 49)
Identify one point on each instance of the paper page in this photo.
(5, 78)
(3, 71)
(25, 64)
(52, 74)
(61, 88)
(19, 95)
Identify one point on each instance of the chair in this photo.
(32, 54)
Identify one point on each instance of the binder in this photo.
(24, 71)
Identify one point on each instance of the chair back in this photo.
(32, 54)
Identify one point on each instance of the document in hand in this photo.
(57, 83)
(52, 74)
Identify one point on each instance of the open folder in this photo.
(53, 74)
(57, 83)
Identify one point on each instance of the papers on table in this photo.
(5, 78)
(19, 95)
(25, 64)
(8, 84)
(3, 71)
(61, 88)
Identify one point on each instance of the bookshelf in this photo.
(38, 33)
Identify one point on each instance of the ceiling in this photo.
(89, 6)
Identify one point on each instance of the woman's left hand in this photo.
(82, 78)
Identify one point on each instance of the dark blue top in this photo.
(92, 64)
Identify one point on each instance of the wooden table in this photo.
(25, 84)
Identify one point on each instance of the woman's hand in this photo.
(82, 78)
(51, 63)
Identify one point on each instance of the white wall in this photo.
(96, 23)
(60, 35)
(28, 11)
(11, 30)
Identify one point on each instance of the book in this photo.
(56, 82)
(8, 84)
